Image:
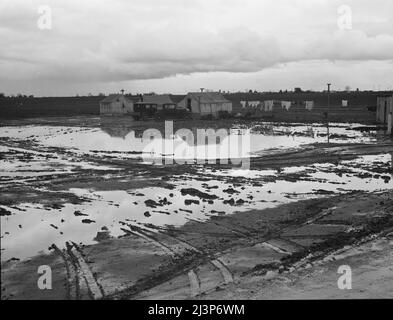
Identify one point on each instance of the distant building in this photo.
(155, 101)
(116, 104)
(385, 111)
(148, 104)
(203, 104)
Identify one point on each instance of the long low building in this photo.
(150, 103)
(203, 104)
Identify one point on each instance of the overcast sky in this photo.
(181, 45)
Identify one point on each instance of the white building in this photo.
(116, 104)
(206, 103)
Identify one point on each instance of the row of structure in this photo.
(214, 104)
(270, 105)
(199, 104)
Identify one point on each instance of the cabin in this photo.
(116, 104)
(148, 105)
(206, 104)
(154, 102)
(385, 111)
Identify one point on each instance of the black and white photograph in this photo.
(218, 152)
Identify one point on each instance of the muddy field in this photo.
(118, 217)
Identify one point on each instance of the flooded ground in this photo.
(28, 155)
(87, 183)
(133, 142)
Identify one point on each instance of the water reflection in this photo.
(112, 208)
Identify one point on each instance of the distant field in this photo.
(50, 106)
(361, 106)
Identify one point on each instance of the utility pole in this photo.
(327, 114)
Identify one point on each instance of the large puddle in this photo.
(186, 143)
(32, 228)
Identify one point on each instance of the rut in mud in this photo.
(124, 227)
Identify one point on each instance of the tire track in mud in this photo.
(236, 232)
(321, 215)
(195, 284)
(95, 289)
(178, 249)
(265, 240)
(69, 277)
(80, 281)
(273, 239)
(149, 239)
(196, 276)
(319, 154)
(228, 277)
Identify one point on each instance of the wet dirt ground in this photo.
(87, 197)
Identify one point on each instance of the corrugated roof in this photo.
(208, 97)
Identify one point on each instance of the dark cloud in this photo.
(115, 41)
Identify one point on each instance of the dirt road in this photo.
(371, 265)
(199, 258)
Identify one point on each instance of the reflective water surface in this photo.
(32, 228)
